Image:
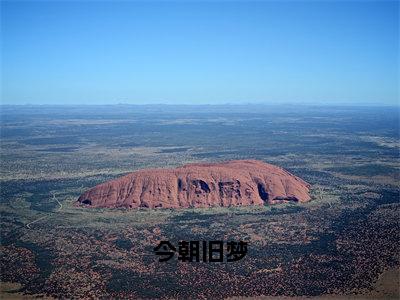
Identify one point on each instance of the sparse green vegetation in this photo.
(339, 243)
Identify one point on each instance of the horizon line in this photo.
(373, 104)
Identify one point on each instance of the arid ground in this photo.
(343, 244)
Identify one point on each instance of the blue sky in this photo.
(89, 52)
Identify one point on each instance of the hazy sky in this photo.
(93, 52)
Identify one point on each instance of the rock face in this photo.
(232, 183)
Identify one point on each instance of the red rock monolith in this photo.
(231, 183)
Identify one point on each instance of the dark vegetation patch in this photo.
(322, 177)
(124, 244)
(128, 144)
(366, 170)
(52, 140)
(41, 199)
(215, 154)
(288, 209)
(59, 149)
(388, 196)
(174, 150)
(43, 260)
(123, 281)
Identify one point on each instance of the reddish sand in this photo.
(231, 183)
